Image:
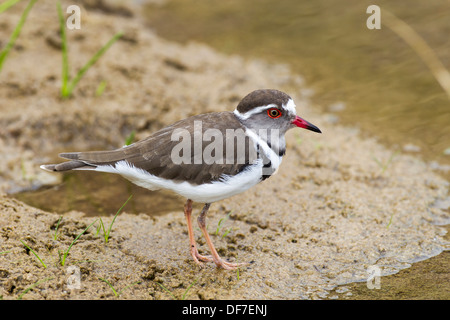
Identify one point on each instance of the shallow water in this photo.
(96, 193)
(368, 78)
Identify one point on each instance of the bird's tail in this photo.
(68, 165)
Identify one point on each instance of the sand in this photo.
(329, 214)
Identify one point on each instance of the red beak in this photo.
(301, 123)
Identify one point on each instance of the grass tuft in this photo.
(385, 165)
(56, 235)
(183, 297)
(219, 226)
(63, 256)
(102, 225)
(68, 85)
(118, 293)
(18, 28)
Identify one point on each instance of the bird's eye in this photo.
(274, 113)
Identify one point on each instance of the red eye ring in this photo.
(274, 113)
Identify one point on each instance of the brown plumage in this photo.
(153, 154)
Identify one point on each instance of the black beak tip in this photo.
(314, 128)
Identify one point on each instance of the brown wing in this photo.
(154, 154)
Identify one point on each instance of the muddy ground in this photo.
(330, 213)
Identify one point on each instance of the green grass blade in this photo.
(5, 5)
(384, 166)
(65, 59)
(167, 290)
(89, 64)
(32, 286)
(188, 288)
(390, 221)
(218, 226)
(114, 219)
(55, 236)
(66, 253)
(134, 283)
(15, 34)
(34, 253)
(226, 232)
(100, 226)
(119, 292)
(110, 285)
(221, 222)
(129, 140)
(378, 162)
(100, 88)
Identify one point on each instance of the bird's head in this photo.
(270, 109)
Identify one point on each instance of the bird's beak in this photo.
(301, 123)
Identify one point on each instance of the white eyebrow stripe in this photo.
(289, 107)
(248, 114)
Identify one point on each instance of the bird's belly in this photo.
(206, 193)
(227, 187)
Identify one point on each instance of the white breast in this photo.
(226, 187)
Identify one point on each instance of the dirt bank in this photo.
(330, 212)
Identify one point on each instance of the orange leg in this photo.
(215, 256)
(193, 249)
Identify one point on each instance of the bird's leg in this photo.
(217, 259)
(192, 247)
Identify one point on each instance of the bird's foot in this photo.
(198, 258)
(221, 263)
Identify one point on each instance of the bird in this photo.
(204, 158)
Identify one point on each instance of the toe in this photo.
(204, 258)
(229, 265)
